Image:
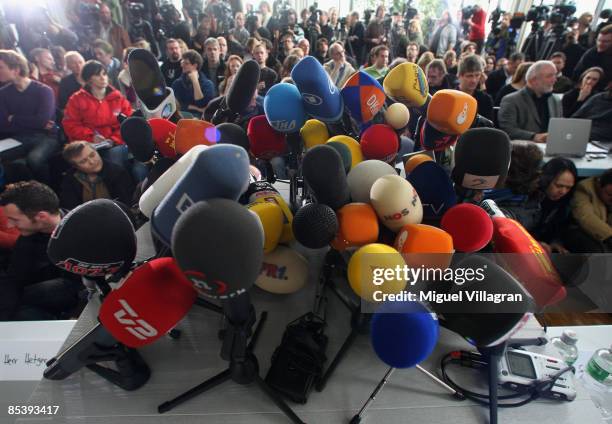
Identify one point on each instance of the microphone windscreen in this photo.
(163, 136)
(469, 225)
(425, 245)
(397, 115)
(432, 139)
(357, 226)
(156, 191)
(353, 145)
(137, 134)
(220, 171)
(230, 133)
(265, 141)
(314, 132)
(208, 240)
(94, 239)
(415, 161)
(192, 132)
(243, 86)
(406, 83)
(435, 189)
(324, 173)
(263, 191)
(283, 271)
(380, 142)
(131, 313)
(482, 158)
(363, 96)
(156, 100)
(451, 111)
(363, 175)
(525, 258)
(315, 225)
(321, 97)
(344, 153)
(284, 108)
(366, 270)
(396, 202)
(404, 333)
(271, 217)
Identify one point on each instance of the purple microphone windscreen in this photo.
(243, 87)
(323, 171)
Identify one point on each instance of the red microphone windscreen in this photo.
(150, 302)
(469, 225)
(163, 136)
(380, 142)
(266, 142)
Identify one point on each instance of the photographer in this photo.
(397, 36)
(141, 28)
(476, 24)
(171, 25)
(239, 33)
(112, 33)
(356, 34)
(375, 32)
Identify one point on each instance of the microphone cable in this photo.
(477, 361)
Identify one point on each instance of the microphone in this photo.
(324, 173)
(231, 231)
(243, 86)
(451, 111)
(525, 258)
(137, 134)
(314, 132)
(94, 239)
(396, 202)
(344, 153)
(363, 96)
(397, 116)
(404, 333)
(220, 171)
(406, 83)
(364, 271)
(357, 226)
(424, 245)
(284, 108)
(435, 189)
(230, 133)
(154, 98)
(193, 132)
(363, 175)
(469, 225)
(271, 217)
(263, 191)
(415, 161)
(163, 136)
(432, 139)
(482, 158)
(315, 225)
(266, 143)
(491, 208)
(283, 271)
(157, 190)
(353, 146)
(380, 142)
(321, 98)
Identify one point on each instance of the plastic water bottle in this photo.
(597, 379)
(566, 345)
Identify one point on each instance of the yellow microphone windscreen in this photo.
(353, 146)
(271, 216)
(314, 132)
(406, 83)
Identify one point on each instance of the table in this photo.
(586, 166)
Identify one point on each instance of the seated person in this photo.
(450, 60)
(518, 82)
(213, 66)
(32, 287)
(267, 76)
(233, 64)
(599, 55)
(599, 110)
(380, 58)
(563, 84)
(93, 177)
(588, 85)
(524, 115)
(592, 211)
(27, 110)
(437, 78)
(470, 71)
(338, 69)
(72, 82)
(104, 54)
(193, 90)
(46, 72)
(502, 76)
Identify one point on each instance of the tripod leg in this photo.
(208, 305)
(277, 400)
(257, 332)
(345, 346)
(357, 418)
(440, 382)
(201, 388)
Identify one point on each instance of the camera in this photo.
(223, 15)
(89, 14)
(367, 15)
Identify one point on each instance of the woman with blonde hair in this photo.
(425, 59)
(415, 33)
(231, 69)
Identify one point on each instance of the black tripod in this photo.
(243, 365)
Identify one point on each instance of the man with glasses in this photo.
(338, 68)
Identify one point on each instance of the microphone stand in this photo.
(238, 350)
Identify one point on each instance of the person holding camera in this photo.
(141, 28)
(112, 33)
(375, 32)
(476, 24)
(356, 37)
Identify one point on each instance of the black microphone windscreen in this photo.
(323, 171)
(137, 134)
(315, 225)
(230, 133)
(243, 87)
(217, 243)
(147, 78)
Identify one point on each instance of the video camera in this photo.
(409, 12)
(222, 12)
(89, 14)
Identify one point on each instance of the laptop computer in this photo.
(568, 137)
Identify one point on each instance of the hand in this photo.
(540, 138)
(98, 138)
(193, 75)
(585, 91)
(50, 125)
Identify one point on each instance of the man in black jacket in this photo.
(93, 178)
(32, 287)
(600, 55)
(598, 109)
(500, 77)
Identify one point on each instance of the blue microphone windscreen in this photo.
(363, 96)
(434, 187)
(321, 98)
(284, 108)
(404, 333)
(220, 171)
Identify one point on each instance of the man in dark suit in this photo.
(524, 115)
(470, 70)
(500, 77)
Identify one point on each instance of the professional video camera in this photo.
(283, 8)
(250, 21)
(538, 45)
(409, 12)
(607, 15)
(136, 11)
(466, 14)
(222, 12)
(367, 15)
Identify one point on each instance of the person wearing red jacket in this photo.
(477, 27)
(91, 115)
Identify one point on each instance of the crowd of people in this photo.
(63, 89)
